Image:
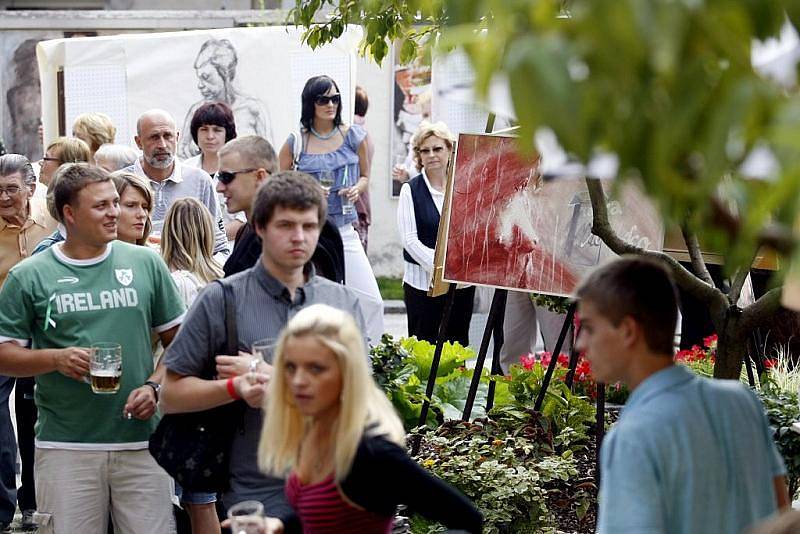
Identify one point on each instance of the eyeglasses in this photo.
(227, 177)
(428, 151)
(10, 191)
(324, 100)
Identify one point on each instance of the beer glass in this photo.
(106, 367)
(265, 349)
(247, 517)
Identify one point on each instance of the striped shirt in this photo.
(322, 509)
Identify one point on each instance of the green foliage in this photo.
(551, 302)
(566, 411)
(402, 369)
(783, 410)
(507, 466)
(666, 85)
(390, 288)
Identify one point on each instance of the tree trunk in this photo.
(731, 346)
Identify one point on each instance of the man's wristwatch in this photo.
(156, 387)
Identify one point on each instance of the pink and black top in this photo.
(322, 509)
(365, 501)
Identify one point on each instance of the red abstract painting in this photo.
(509, 228)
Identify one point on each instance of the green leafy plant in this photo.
(509, 465)
(402, 369)
(783, 410)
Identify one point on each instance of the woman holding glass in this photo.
(336, 155)
(334, 435)
(418, 212)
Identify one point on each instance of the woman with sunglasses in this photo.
(418, 213)
(326, 148)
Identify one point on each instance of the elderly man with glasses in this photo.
(23, 223)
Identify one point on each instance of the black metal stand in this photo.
(573, 361)
(499, 339)
(495, 316)
(548, 375)
(437, 356)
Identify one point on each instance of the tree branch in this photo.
(761, 312)
(601, 227)
(696, 256)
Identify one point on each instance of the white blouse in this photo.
(417, 276)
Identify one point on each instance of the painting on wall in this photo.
(412, 105)
(509, 228)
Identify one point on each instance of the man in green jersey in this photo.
(91, 449)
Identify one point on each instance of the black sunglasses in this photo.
(227, 177)
(324, 100)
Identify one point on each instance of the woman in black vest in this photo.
(418, 212)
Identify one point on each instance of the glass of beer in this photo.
(105, 367)
(247, 517)
(265, 349)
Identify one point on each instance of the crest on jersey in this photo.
(124, 276)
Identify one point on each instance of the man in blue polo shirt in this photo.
(688, 454)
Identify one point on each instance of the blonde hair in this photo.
(70, 150)
(97, 127)
(429, 129)
(123, 180)
(187, 240)
(364, 408)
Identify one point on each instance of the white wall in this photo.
(385, 252)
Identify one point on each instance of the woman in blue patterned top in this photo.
(336, 154)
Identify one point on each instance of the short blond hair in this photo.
(97, 127)
(70, 150)
(429, 129)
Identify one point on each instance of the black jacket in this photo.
(383, 476)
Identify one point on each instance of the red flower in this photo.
(527, 361)
(769, 364)
(710, 341)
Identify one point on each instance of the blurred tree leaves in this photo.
(667, 85)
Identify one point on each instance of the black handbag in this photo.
(194, 448)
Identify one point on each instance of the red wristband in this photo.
(232, 389)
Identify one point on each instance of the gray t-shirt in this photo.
(263, 307)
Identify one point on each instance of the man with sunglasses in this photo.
(245, 163)
(157, 138)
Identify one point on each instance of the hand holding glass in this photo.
(105, 367)
(265, 349)
(247, 517)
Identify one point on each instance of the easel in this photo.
(494, 328)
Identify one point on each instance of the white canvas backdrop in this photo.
(125, 75)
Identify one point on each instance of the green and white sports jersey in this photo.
(52, 301)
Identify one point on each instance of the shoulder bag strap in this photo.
(231, 335)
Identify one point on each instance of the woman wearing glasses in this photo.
(418, 213)
(336, 154)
